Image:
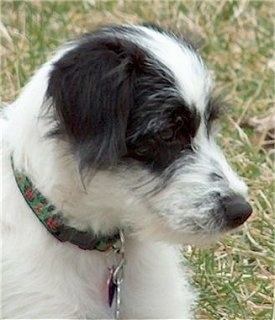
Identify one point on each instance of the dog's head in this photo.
(137, 101)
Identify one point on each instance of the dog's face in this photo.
(137, 102)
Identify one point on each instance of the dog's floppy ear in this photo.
(91, 91)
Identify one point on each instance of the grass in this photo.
(236, 276)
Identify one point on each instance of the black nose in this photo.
(237, 210)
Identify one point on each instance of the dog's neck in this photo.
(54, 221)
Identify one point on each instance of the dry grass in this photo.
(236, 276)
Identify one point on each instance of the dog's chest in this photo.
(45, 278)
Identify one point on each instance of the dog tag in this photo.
(112, 288)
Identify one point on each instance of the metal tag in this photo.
(116, 276)
(111, 287)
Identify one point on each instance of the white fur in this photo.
(186, 67)
(43, 278)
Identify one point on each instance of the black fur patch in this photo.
(214, 110)
(91, 89)
(110, 97)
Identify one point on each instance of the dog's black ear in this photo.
(91, 91)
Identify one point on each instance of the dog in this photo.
(109, 166)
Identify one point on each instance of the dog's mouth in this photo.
(217, 215)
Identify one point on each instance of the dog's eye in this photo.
(167, 134)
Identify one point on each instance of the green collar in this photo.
(54, 221)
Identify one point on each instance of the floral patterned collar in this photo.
(54, 221)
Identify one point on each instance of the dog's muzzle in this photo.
(236, 211)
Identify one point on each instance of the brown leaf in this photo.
(264, 130)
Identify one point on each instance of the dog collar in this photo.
(53, 220)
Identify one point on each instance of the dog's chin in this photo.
(205, 238)
(163, 232)
(201, 240)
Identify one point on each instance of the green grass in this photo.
(236, 276)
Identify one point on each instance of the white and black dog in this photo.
(111, 145)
